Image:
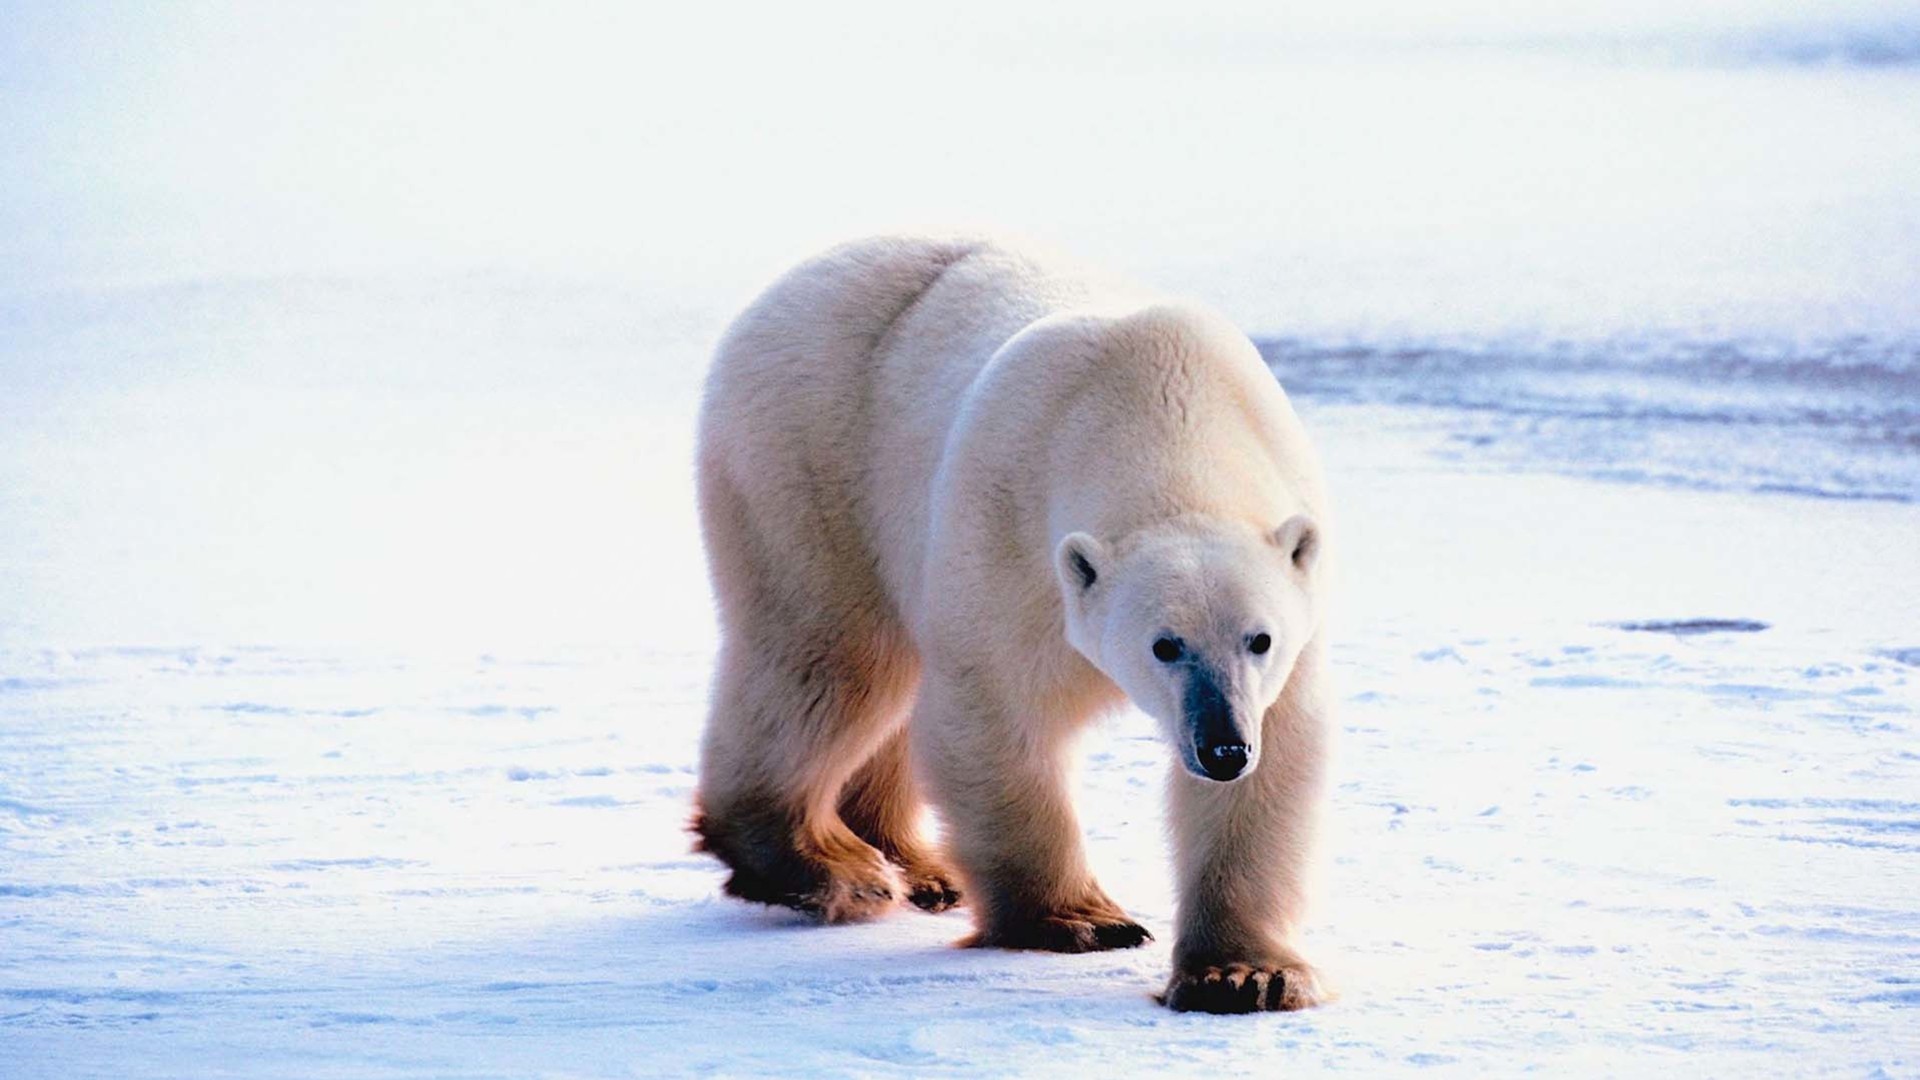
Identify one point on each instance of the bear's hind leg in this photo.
(813, 673)
(781, 743)
(881, 804)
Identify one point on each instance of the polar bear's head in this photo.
(1199, 623)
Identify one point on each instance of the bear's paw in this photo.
(1062, 933)
(932, 892)
(1246, 988)
(851, 893)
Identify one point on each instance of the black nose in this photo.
(1225, 761)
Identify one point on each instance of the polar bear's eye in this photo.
(1259, 644)
(1167, 649)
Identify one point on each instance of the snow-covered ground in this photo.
(1555, 844)
(354, 636)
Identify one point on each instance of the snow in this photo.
(354, 636)
(1554, 843)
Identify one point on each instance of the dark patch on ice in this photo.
(16, 683)
(210, 781)
(1670, 1005)
(45, 890)
(1825, 419)
(1895, 997)
(508, 986)
(254, 708)
(371, 862)
(1895, 825)
(357, 1019)
(1888, 806)
(1585, 682)
(475, 1016)
(1750, 690)
(1847, 841)
(1838, 933)
(524, 712)
(1909, 657)
(1813, 491)
(899, 1054)
(78, 996)
(1687, 627)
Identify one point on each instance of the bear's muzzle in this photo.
(1220, 749)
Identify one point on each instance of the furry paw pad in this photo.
(1245, 988)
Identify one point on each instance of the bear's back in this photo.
(836, 396)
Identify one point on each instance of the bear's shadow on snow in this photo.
(716, 944)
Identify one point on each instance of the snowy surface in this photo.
(1554, 843)
(354, 636)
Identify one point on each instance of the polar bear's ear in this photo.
(1077, 561)
(1299, 539)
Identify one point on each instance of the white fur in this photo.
(912, 453)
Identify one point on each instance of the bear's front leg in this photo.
(1243, 851)
(998, 775)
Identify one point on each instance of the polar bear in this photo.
(959, 499)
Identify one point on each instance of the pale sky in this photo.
(154, 142)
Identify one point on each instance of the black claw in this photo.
(1246, 996)
(1216, 992)
(934, 896)
(1121, 935)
